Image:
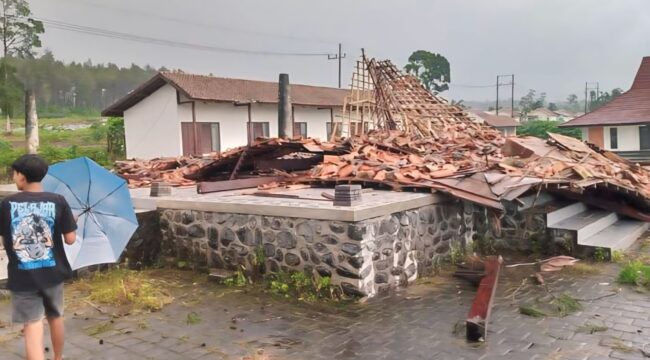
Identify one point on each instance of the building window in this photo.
(644, 137)
(339, 132)
(613, 138)
(215, 137)
(257, 130)
(300, 129)
(207, 139)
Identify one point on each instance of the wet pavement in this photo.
(213, 322)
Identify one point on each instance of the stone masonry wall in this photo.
(513, 230)
(363, 258)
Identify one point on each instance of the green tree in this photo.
(530, 102)
(433, 70)
(572, 99)
(598, 100)
(552, 106)
(541, 128)
(19, 34)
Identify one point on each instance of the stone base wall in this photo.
(514, 230)
(144, 247)
(363, 258)
(399, 248)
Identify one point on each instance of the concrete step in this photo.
(618, 236)
(563, 213)
(586, 223)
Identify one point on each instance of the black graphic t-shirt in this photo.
(32, 225)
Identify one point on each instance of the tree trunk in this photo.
(31, 123)
(6, 104)
(4, 65)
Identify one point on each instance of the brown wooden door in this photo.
(205, 138)
(187, 136)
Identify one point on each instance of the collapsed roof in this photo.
(422, 143)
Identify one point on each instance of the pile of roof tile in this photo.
(187, 170)
(576, 167)
(395, 158)
(141, 173)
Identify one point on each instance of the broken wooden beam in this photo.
(216, 186)
(479, 313)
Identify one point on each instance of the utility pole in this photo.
(512, 93)
(589, 86)
(338, 57)
(497, 107)
(512, 97)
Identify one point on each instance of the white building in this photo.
(505, 124)
(180, 114)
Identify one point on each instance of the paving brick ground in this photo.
(415, 323)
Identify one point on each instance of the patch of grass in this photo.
(532, 311)
(582, 268)
(100, 328)
(590, 328)
(618, 256)
(193, 318)
(237, 280)
(560, 306)
(600, 255)
(619, 345)
(301, 286)
(636, 273)
(121, 287)
(566, 304)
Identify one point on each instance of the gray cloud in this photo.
(551, 45)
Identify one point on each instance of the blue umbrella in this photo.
(102, 203)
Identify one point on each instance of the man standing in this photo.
(34, 224)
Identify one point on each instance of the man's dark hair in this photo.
(33, 167)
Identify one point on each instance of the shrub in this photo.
(635, 272)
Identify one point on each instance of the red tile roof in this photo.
(632, 107)
(209, 88)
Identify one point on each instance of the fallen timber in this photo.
(485, 276)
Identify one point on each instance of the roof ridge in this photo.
(642, 78)
(164, 73)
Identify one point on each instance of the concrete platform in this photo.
(310, 205)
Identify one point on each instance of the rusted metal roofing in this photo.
(632, 107)
(209, 88)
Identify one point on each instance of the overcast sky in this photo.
(550, 45)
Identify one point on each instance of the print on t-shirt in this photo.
(32, 226)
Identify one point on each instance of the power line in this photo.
(60, 25)
(199, 24)
(478, 86)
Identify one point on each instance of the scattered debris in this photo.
(531, 311)
(192, 318)
(551, 264)
(590, 328)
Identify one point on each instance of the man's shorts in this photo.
(30, 306)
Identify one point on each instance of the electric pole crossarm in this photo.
(338, 57)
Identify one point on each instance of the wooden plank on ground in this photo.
(479, 313)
